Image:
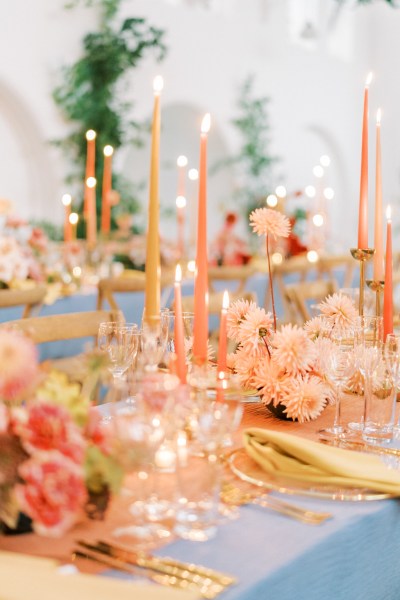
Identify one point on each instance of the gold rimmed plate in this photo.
(248, 470)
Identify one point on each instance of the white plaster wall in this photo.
(316, 94)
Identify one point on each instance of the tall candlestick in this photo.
(193, 175)
(181, 162)
(67, 201)
(91, 221)
(378, 241)
(152, 286)
(90, 165)
(180, 215)
(363, 206)
(200, 327)
(105, 196)
(73, 219)
(179, 339)
(221, 364)
(388, 289)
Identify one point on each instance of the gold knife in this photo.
(221, 578)
(208, 592)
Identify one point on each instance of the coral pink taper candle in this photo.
(363, 206)
(105, 192)
(90, 166)
(179, 340)
(378, 237)
(91, 220)
(221, 364)
(200, 327)
(388, 289)
(152, 284)
(67, 201)
(180, 216)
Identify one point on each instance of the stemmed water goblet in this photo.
(120, 341)
(338, 370)
(392, 355)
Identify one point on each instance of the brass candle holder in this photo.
(377, 287)
(362, 255)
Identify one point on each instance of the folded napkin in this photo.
(302, 460)
(24, 581)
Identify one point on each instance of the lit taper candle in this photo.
(388, 289)
(363, 204)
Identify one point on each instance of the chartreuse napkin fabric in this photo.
(301, 460)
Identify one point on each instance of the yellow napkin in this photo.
(21, 579)
(302, 460)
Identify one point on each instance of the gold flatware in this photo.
(360, 446)
(191, 568)
(231, 494)
(208, 591)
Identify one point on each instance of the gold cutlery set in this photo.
(208, 583)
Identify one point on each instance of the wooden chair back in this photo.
(239, 274)
(299, 295)
(31, 298)
(107, 287)
(67, 326)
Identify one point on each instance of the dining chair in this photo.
(130, 281)
(67, 326)
(336, 267)
(31, 298)
(299, 296)
(238, 275)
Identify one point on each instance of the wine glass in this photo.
(368, 334)
(153, 342)
(391, 352)
(120, 341)
(338, 369)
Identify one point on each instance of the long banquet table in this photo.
(353, 556)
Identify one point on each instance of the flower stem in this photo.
(271, 286)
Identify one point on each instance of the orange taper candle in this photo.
(363, 206)
(152, 285)
(378, 233)
(388, 289)
(221, 364)
(106, 189)
(67, 201)
(91, 221)
(200, 327)
(179, 339)
(90, 166)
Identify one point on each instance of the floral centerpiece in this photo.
(285, 365)
(56, 457)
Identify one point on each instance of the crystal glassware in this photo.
(120, 341)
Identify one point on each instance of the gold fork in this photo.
(231, 494)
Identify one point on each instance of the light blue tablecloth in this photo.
(354, 556)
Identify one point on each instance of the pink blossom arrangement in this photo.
(286, 366)
(56, 456)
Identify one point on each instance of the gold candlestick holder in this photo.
(362, 255)
(377, 287)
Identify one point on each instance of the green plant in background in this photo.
(253, 161)
(91, 91)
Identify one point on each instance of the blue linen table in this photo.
(353, 556)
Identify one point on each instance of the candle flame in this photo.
(90, 135)
(180, 202)
(158, 84)
(389, 213)
(66, 199)
(73, 218)
(108, 151)
(178, 274)
(193, 174)
(369, 79)
(225, 300)
(182, 161)
(91, 182)
(206, 123)
(378, 116)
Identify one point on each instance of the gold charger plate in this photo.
(248, 470)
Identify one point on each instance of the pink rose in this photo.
(47, 427)
(19, 367)
(52, 494)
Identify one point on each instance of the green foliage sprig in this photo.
(90, 93)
